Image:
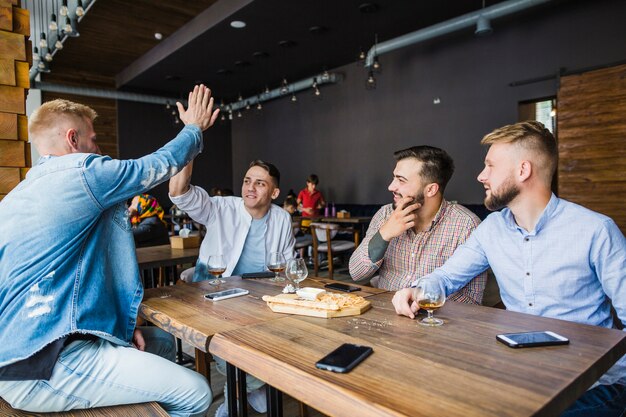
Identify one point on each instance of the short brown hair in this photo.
(437, 165)
(46, 115)
(313, 179)
(532, 136)
(270, 168)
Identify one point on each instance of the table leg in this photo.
(231, 383)
(274, 402)
(243, 393)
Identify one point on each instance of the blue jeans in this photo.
(601, 401)
(98, 373)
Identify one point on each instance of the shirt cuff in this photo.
(182, 199)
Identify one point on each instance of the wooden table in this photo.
(164, 256)
(458, 369)
(182, 310)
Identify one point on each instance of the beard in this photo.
(419, 198)
(500, 199)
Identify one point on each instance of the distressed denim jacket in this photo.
(67, 256)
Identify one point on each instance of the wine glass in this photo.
(296, 271)
(430, 295)
(216, 267)
(276, 264)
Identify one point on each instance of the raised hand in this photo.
(200, 108)
(402, 219)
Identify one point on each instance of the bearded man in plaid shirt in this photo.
(420, 230)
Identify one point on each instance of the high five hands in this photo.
(200, 108)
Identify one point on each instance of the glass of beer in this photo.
(276, 264)
(430, 295)
(216, 267)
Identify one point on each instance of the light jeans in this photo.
(98, 374)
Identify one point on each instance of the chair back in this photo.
(324, 231)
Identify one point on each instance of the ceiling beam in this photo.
(197, 26)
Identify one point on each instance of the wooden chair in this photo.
(140, 410)
(302, 242)
(323, 234)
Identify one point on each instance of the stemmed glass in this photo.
(276, 264)
(216, 267)
(430, 295)
(296, 271)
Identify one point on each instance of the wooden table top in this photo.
(165, 255)
(183, 311)
(458, 369)
(353, 220)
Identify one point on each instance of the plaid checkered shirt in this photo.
(412, 255)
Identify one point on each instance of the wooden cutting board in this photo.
(307, 308)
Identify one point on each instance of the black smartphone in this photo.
(344, 358)
(532, 339)
(262, 274)
(342, 287)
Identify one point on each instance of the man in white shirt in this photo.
(244, 230)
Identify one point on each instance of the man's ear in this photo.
(275, 193)
(431, 189)
(525, 170)
(71, 139)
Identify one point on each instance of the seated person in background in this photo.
(290, 205)
(68, 276)
(420, 230)
(146, 218)
(551, 257)
(310, 200)
(244, 230)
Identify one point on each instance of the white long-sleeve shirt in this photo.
(227, 222)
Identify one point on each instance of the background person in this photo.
(146, 218)
(310, 199)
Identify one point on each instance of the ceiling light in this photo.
(79, 9)
(370, 83)
(238, 24)
(36, 57)
(259, 106)
(158, 36)
(48, 56)
(284, 89)
(63, 9)
(239, 115)
(58, 44)
(67, 28)
(43, 43)
(53, 22)
(294, 98)
(247, 105)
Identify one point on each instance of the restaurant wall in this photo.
(348, 136)
(143, 128)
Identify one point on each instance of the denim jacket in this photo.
(67, 256)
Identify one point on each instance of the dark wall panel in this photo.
(143, 128)
(348, 136)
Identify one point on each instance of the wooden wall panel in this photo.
(592, 141)
(14, 83)
(12, 99)
(9, 178)
(12, 153)
(8, 126)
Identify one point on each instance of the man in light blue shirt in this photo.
(551, 257)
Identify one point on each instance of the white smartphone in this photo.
(532, 339)
(222, 295)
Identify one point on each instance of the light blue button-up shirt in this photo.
(570, 267)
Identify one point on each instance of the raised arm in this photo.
(179, 183)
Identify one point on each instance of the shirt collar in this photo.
(546, 215)
(442, 211)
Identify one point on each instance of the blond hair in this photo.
(48, 114)
(530, 136)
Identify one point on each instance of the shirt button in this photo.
(527, 273)
(526, 239)
(530, 304)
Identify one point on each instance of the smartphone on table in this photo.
(344, 358)
(262, 274)
(222, 295)
(532, 339)
(342, 287)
